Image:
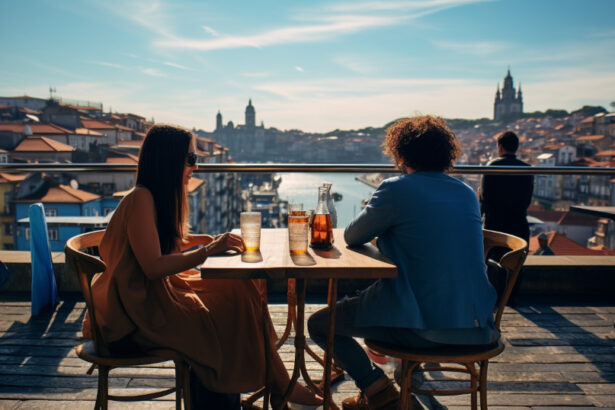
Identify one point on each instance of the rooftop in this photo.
(64, 194)
(42, 144)
(557, 356)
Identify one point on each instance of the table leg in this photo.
(291, 319)
(299, 339)
(332, 302)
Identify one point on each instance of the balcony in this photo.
(560, 340)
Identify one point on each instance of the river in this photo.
(303, 187)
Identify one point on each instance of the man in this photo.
(504, 198)
(428, 223)
(544, 250)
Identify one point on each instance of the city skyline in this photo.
(317, 68)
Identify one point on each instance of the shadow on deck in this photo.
(557, 355)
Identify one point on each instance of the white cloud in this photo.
(372, 6)
(153, 15)
(293, 34)
(211, 31)
(300, 69)
(356, 65)
(153, 72)
(175, 65)
(107, 64)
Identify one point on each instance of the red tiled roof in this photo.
(578, 219)
(37, 128)
(590, 138)
(126, 159)
(42, 144)
(41, 128)
(587, 120)
(562, 245)
(64, 193)
(6, 177)
(535, 207)
(85, 131)
(96, 125)
(131, 143)
(555, 146)
(12, 127)
(607, 153)
(546, 216)
(194, 184)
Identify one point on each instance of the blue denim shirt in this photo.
(429, 225)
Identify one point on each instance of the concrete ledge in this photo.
(541, 275)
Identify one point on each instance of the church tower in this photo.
(250, 116)
(508, 104)
(219, 125)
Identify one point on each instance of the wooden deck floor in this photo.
(556, 356)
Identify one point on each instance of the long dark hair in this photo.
(161, 169)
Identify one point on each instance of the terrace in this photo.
(560, 341)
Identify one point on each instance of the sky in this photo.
(309, 65)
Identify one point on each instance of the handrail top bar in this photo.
(349, 168)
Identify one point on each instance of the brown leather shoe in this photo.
(385, 399)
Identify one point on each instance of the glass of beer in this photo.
(250, 225)
(298, 224)
(295, 207)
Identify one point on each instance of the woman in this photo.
(148, 297)
(429, 225)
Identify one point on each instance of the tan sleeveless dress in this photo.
(218, 325)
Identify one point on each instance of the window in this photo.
(27, 233)
(53, 234)
(8, 229)
(8, 202)
(51, 211)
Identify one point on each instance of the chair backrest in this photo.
(85, 266)
(512, 262)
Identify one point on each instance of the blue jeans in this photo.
(347, 352)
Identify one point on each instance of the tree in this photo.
(589, 110)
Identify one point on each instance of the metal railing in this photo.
(350, 168)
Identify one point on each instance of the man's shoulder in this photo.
(506, 161)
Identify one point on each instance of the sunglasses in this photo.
(191, 159)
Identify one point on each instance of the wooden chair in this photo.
(464, 359)
(97, 352)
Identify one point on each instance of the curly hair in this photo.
(422, 143)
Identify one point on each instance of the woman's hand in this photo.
(225, 242)
(196, 240)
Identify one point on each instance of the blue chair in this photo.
(44, 288)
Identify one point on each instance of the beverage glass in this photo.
(294, 207)
(298, 224)
(250, 224)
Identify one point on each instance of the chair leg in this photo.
(483, 384)
(186, 388)
(404, 399)
(103, 387)
(179, 383)
(473, 385)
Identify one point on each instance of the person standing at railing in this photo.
(505, 198)
(428, 223)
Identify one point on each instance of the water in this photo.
(303, 187)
